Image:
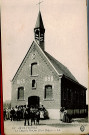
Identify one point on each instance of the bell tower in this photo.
(39, 31)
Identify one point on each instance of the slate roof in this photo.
(61, 69)
(39, 22)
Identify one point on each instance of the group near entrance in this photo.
(41, 80)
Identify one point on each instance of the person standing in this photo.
(26, 116)
(18, 114)
(4, 114)
(37, 116)
(12, 113)
(32, 115)
(42, 112)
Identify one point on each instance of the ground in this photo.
(46, 126)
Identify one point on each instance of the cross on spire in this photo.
(39, 4)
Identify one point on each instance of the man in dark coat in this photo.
(37, 116)
(18, 114)
(26, 116)
(4, 114)
(32, 115)
(12, 114)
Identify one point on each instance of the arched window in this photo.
(34, 68)
(20, 95)
(33, 84)
(48, 92)
(69, 93)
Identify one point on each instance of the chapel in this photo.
(42, 80)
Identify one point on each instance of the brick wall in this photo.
(46, 75)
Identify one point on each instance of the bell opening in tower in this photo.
(39, 31)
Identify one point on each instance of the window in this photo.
(48, 92)
(33, 84)
(34, 68)
(21, 93)
(69, 94)
(64, 94)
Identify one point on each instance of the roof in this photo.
(60, 67)
(39, 22)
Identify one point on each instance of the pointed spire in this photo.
(39, 22)
(39, 31)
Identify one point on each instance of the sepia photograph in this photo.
(45, 66)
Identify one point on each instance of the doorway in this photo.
(33, 101)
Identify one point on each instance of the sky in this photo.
(65, 22)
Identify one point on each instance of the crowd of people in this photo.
(15, 113)
(33, 114)
(27, 113)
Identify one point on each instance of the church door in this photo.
(33, 101)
